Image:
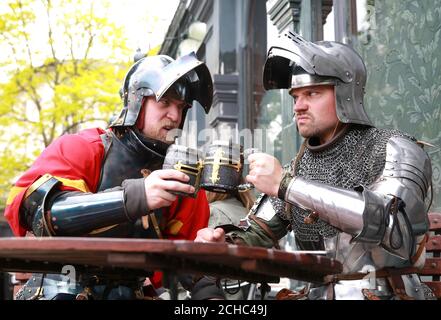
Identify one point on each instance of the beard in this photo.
(309, 129)
(314, 130)
(165, 131)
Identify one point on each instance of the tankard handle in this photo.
(249, 151)
(245, 187)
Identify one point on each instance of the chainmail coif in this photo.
(356, 158)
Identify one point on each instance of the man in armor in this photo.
(109, 183)
(358, 192)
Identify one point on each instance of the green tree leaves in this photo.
(61, 66)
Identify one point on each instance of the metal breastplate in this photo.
(356, 158)
(127, 157)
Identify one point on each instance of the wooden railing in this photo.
(432, 267)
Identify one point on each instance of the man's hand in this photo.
(210, 235)
(265, 173)
(159, 184)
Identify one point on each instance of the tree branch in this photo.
(22, 20)
(89, 31)
(48, 6)
(73, 125)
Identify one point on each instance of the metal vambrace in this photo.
(51, 212)
(361, 212)
(391, 211)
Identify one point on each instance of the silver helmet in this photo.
(187, 78)
(294, 62)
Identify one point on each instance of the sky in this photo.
(137, 17)
(145, 21)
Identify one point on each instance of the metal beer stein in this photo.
(223, 166)
(188, 161)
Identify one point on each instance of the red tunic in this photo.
(76, 161)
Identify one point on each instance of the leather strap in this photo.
(421, 247)
(293, 172)
(287, 294)
(266, 229)
(382, 273)
(369, 295)
(284, 184)
(397, 284)
(392, 275)
(155, 225)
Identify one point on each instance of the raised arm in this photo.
(391, 212)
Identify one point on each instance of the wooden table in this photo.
(138, 257)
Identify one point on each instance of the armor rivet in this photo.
(54, 219)
(348, 99)
(416, 290)
(391, 174)
(133, 92)
(29, 290)
(433, 265)
(55, 227)
(358, 83)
